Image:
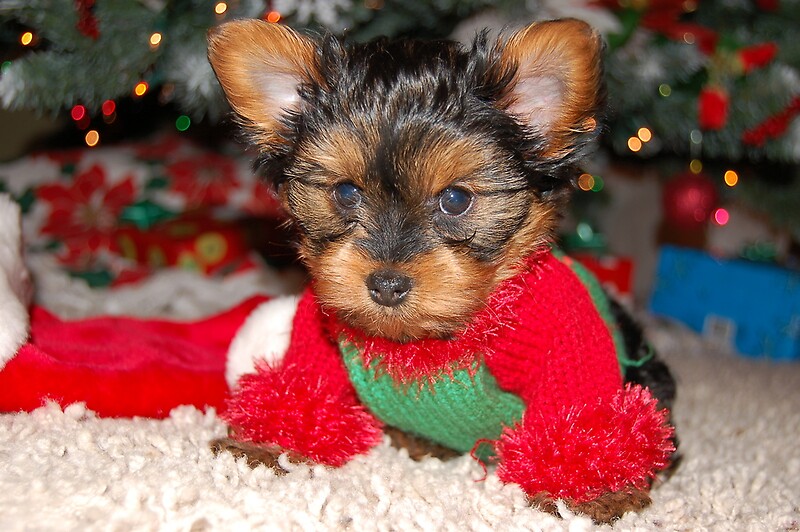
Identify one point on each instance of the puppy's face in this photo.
(420, 175)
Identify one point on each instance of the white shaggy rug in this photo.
(738, 420)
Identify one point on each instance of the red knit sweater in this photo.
(542, 338)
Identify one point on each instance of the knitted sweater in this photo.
(554, 348)
(542, 379)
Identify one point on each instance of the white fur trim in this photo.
(15, 286)
(264, 335)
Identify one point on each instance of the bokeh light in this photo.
(586, 182)
(140, 89)
(721, 216)
(182, 123)
(78, 112)
(92, 138)
(731, 178)
(108, 107)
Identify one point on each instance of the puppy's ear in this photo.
(260, 66)
(557, 88)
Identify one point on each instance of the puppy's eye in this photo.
(455, 201)
(347, 195)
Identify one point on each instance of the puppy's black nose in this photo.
(388, 287)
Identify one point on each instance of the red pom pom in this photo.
(713, 108)
(302, 411)
(583, 453)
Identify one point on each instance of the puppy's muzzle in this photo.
(388, 287)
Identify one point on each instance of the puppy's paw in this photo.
(605, 509)
(255, 454)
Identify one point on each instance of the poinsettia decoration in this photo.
(95, 196)
(204, 180)
(84, 213)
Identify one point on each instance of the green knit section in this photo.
(452, 411)
(601, 303)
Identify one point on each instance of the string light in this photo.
(664, 90)
(274, 17)
(140, 89)
(644, 134)
(78, 113)
(634, 144)
(26, 38)
(220, 8)
(688, 38)
(92, 138)
(182, 123)
(108, 107)
(731, 178)
(155, 40)
(696, 166)
(722, 216)
(586, 182)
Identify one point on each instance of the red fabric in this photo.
(122, 366)
(581, 435)
(560, 352)
(306, 404)
(609, 445)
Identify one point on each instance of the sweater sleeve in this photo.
(559, 351)
(583, 434)
(306, 404)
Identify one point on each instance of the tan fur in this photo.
(536, 232)
(445, 163)
(568, 51)
(243, 50)
(448, 289)
(337, 156)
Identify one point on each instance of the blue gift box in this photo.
(751, 307)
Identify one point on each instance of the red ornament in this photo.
(712, 108)
(689, 200)
(87, 22)
(756, 56)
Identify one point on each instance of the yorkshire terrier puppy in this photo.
(426, 180)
